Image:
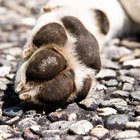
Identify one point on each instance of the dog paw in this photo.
(60, 70)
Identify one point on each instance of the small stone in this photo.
(89, 103)
(35, 128)
(107, 63)
(81, 127)
(137, 110)
(60, 125)
(138, 118)
(13, 111)
(88, 138)
(120, 94)
(127, 87)
(118, 103)
(107, 111)
(96, 120)
(135, 95)
(4, 71)
(13, 120)
(114, 52)
(27, 134)
(132, 63)
(5, 132)
(127, 134)
(73, 137)
(26, 123)
(0, 112)
(8, 45)
(134, 72)
(72, 117)
(126, 79)
(100, 132)
(133, 125)
(106, 73)
(117, 121)
(57, 116)
(3, 83)
(111, 83)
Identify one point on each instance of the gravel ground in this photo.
(110, 112)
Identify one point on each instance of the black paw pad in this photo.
(50, 33)
(45, 64)
(58, 89)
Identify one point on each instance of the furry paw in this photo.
(62, 66)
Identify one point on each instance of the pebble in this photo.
(133, 125)
(137, 110)
(28, 135)
(35, 128)
(3, 83)
(96, 120)
(111, 83)
(13, 120)
(138, 118)
(72, 117)
(107, 111)
(100, 132)
(135, 95)
(127, 134)
(118, 103)
(106, 73)
(117, 121)
(127, 87)
(4, 71)
(57, 116)
(120, 94)
(13, 111)
(132, 63)
(60, 125)
(5, 132)
(107, 63)
(126, 79)
(26, 123)
(89, 103)
(80, 127)
(115, 52)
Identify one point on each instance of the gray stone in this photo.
(57, 116)
(81, 127)
(13, 111)
(27, 134)
(12, 120)
(4, 71)
(89, 103)
(5, 132)
(60, 125)
(138, 118)
(120, 94)
(72, 117)
(107, 63)
(133, 125)
(89, 138)
(111, 83)
(135, 95)
(26, 123)
(117, 121)
(132, 63)
(106, 73)
(3, 83)
(134, 72)
(100, 132)
(115, 52)
(127, 87)
(35, 128)
(137, 110)
(107, 111)
(127, 134)
(118, 103)
(127, 79)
